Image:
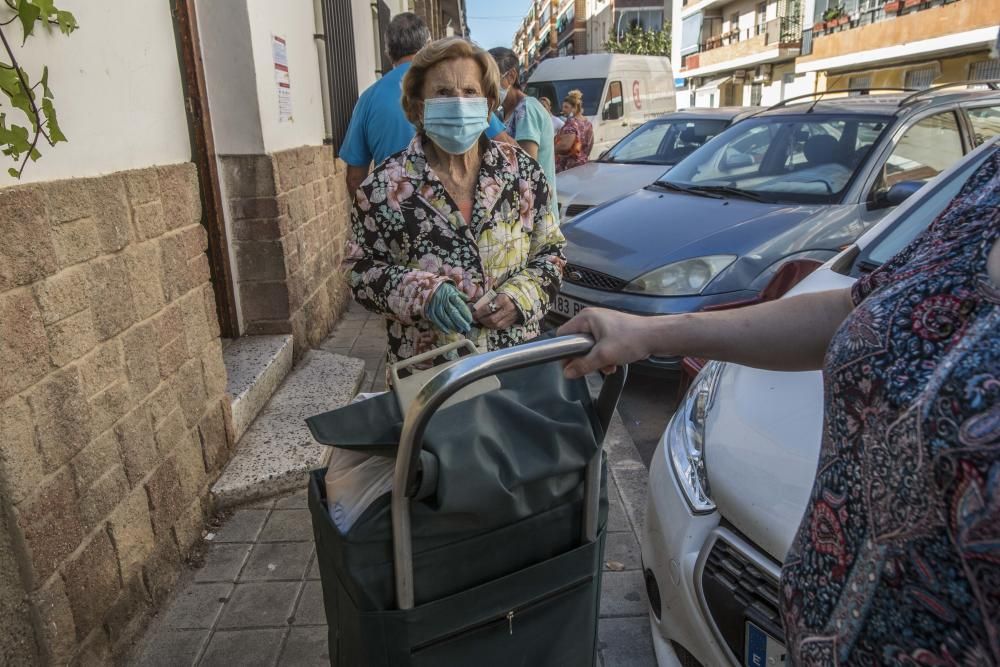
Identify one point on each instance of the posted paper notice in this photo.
(283, 83)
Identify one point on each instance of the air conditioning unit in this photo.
(764, 72)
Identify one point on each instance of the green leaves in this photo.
(28, 13)
(18, 142)
(49, 111)
(31, 12)
(641, 42)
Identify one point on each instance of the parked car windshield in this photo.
(802, 159)
(664, 142)
(556, 91)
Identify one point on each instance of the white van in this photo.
(620, 92)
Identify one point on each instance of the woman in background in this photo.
(576, 138)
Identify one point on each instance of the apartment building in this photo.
(553, 28)
(750, 52)
(738, 52)
(899, 43)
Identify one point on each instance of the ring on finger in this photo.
(493, 306)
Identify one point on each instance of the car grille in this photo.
(594, 279)
(737, 590)
(576, 209)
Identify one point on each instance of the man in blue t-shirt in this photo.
(378, 126)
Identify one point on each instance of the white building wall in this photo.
(293, 20)
(117, 83)
(600, 19)
(230, 76)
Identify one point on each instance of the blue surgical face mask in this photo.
(454, 124)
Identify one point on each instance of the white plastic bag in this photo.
(350, 491)
(354, 481)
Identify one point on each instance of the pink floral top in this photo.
(584, 132)
(409, 236)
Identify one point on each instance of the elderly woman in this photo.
(455, 236)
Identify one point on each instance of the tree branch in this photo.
(31, 100)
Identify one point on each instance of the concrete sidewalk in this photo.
(256, 598)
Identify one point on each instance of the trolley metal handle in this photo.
(439, 390)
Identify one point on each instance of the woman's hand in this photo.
(448, 311)
(500, 313)
(789, 334)
(618, 339)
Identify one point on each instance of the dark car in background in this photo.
(800, 181)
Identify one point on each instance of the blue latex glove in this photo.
(448, 311)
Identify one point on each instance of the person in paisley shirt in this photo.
(455, 218)
(897, 557)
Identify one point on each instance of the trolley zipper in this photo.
(508, 616)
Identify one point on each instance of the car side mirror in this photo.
(896, 194)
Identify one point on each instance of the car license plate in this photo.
(761, 649)
(568, 307)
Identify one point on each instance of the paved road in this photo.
(646, 407)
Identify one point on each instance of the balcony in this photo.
(884, 31)
(776, 39)
(694, 6)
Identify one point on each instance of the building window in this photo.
(861, 84)
(614, 105)
(756, 94)
(343, 79)
(761, 17)
(646, 19)
(985, 70)
(920, 79)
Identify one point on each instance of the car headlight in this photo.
(686, 439)
(684, 278)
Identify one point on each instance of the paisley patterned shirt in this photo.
(409, 237)
(897, 559)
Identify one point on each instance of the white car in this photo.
(641, 157)
(732, 475)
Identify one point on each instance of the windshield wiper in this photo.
(729, 190)
(687, 189)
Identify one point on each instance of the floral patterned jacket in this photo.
(409, 237)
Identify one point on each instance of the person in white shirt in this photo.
(557, 122)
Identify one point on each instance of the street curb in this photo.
(629, 472)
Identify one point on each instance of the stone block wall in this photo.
(290, 214)
(112, 412)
